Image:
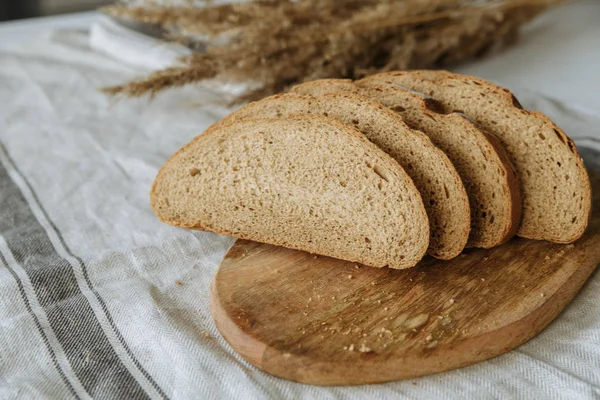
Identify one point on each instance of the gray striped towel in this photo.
(100, 300)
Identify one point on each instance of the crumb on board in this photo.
(364, 348)
(350, 276)
(179, 283)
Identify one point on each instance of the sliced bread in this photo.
(555, 185)
(487, 173)
(304, 182)
(432, 172)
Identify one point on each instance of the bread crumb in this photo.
(414, 383)
(385, 308)
(547, 258)
(483, 279)
(179, 283)
(357, 266)
(542, 294)
(332, 297)
(378, 301)
(449, 303)
(351, 347)
(417, 321)
(315, 257)
(207, 335)
(570, 246)
(364, 349)
(429, 338)
(411, 279)
(385, 331)
(350, 276)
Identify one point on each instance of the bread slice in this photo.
(435, 177)
(555, 185)
(491, 182)
(304, 182)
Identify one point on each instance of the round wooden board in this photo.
(324, 321)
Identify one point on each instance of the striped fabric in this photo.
(100, 300)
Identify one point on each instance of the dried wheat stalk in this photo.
(278, 42)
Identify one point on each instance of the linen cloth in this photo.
(98, 299)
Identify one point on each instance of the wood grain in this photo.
(324, 321)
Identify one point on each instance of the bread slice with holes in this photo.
(304, 182)
(555, 185)
(492, 185)
(432, 172)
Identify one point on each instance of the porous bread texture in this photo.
(491, 182)
(555, 185)
(303, 182)
(435, 177)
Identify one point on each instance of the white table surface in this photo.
(558, 54)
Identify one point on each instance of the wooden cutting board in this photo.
(324, 321)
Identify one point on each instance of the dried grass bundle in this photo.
(277, 43)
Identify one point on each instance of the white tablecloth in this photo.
(100, 300)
